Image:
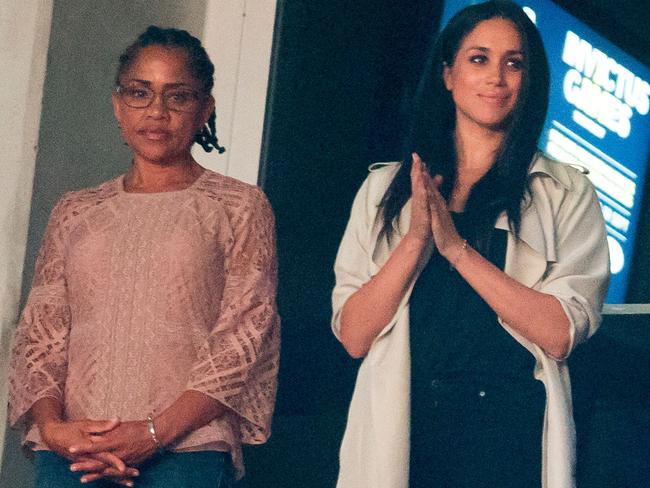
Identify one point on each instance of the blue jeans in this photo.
(202, 469)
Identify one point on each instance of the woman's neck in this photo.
(476, 151)
(476, 148)
(147, 177)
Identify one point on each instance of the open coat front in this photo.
(561, 250)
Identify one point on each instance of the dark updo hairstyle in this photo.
(433, 117)
(199, 64)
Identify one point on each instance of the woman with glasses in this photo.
(148, 348)
(467, 274)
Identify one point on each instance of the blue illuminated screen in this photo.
(597, 119)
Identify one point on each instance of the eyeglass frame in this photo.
(198, 94)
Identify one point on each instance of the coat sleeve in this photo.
(238, 362)
(579, 277)
(39, 353)
(351, 268)
(354, 265)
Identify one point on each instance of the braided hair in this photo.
(199, 64)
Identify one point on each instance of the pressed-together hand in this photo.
(61, 436)
(446, 237)
(429, 211)
(130, 442)
(95, 469)
(420, 227)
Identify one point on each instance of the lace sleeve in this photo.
(238, 363)
(39, 363)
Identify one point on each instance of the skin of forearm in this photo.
(537, 316)
(46, 410)
(369, 309)
(189, 412)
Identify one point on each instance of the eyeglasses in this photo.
(176, 99)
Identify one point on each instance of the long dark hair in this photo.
(431, 129)
(199, 64)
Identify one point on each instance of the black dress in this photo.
(476, 409)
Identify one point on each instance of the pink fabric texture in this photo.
(138, 297)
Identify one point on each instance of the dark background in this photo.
(342, 74)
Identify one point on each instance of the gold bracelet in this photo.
(459, 254)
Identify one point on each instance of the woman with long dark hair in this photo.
(148, 347)
(467, 274)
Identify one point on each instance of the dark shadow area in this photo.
(611, 392)
(342, 71)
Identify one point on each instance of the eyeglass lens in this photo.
(176, 99)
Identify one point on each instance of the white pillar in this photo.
(24, 37)
(238, 35)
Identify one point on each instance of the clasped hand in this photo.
(101, 449)
(430, 216)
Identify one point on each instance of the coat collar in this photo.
(543, 166)
(536, 220)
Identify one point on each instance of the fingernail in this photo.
(73, 450)
(73, 468)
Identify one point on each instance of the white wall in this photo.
(24, 35)
(238, 35)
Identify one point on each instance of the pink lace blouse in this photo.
(138, 297)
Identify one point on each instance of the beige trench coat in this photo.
(562, 250)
